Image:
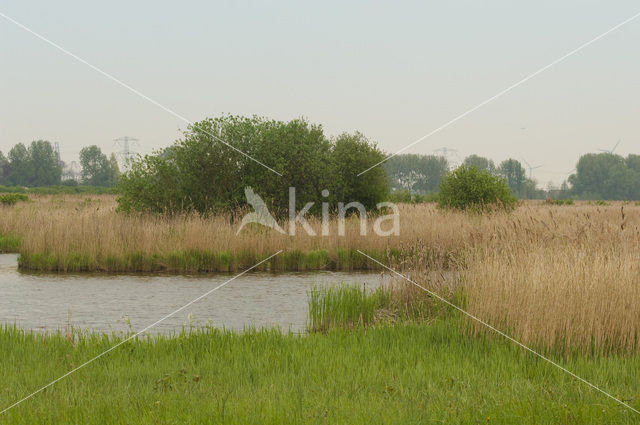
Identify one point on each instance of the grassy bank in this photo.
(348, 306)
(202, 261)
(9, 243)
(405, 373)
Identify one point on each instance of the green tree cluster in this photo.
(38, 165)
(201, 173)
(419, 174)
(606, 176)
(481, 163)
(514, 175)
(35, 165)
(97, 169)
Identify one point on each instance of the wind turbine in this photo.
(531, 168)
(612, 150)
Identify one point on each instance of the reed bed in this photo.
(556, 278)
(77, 233)
(569, 297)
(72, 233)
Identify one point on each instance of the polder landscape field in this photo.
(320, 213)
(560, 278)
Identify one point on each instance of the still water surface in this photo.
(109, 302)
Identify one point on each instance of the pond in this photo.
(119, 303)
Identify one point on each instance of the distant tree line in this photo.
(418, 174)
(422, 174)
(605, 176)
(513, 173)
(206, 174)
(39, 165)
(602, 176)
(36, 165)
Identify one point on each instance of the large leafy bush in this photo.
(201, 173)
(467, 187)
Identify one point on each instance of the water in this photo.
(106, 303)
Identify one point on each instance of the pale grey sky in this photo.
(394, 71)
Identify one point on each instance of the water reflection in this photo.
(100, 302)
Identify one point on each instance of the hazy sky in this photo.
(394, 71)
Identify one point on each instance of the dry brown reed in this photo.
(64, 225)
(564, 278)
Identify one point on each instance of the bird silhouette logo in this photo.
(260, 215)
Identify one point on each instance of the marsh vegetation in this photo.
(562, 279)
(557, 276)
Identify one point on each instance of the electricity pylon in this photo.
(445, 151)
(125, 154)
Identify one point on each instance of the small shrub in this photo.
(559, 201)
(400, 195)
(427, 197)
(468, 188)
(12, 198)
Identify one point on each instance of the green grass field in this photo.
(406, 373)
